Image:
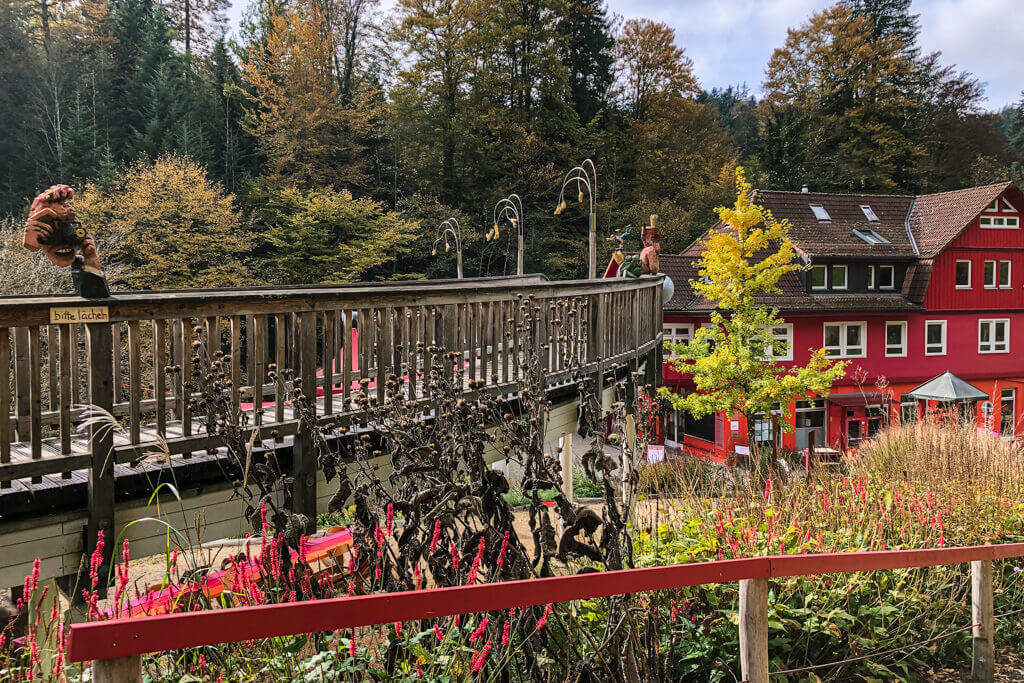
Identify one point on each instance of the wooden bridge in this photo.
(131, 356)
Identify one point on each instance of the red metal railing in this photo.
(127, 637)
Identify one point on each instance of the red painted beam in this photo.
(123, 637)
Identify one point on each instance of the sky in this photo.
(731, 41)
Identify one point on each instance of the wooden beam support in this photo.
(754, 630)
(982, 617)
(101, 444)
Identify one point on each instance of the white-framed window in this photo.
(871, 277)
(820, 213)
(678, 333)
(839, 274)
(779, 345)
(963, 274)
(869, 236)
(994, 335)
(845, 340)
(1007, 206)
(1005, 274)
(886, 277)
(935, 338)
(869, 213)
(1000, 222)
(990, 274)
(896, 338)
(819, 277)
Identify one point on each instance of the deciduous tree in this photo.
(731, 361)
(651, 65)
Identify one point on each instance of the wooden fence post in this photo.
(982, 667)
(101, 444)
(754, 630)
(303, 449)
(566, 457)
(119, 670)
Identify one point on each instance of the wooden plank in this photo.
(754, 630)
(346, 358)
(185, 380)
(517, 352)
(22, 399)
(135, 416)
(76, 379)
(51, 365)
(236, 363)
(396, 336)
(411, 352)
(383, 338)
(115, 329)
(160, 374)
(118, 670)
(35, 397)
(67, 333)
(279, 360)
(5, 401)
(259, 365)
(330, 323)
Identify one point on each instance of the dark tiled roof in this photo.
(681, 269)
(836, 238)
(915, 283)
(937, 219)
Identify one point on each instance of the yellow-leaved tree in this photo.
(167, 226)
(732, 361)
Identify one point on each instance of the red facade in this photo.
(939, 316)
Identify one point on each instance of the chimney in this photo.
(804, 189)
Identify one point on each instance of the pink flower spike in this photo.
(352, 646)
(504, 547)
(438, 633)
(437, 535)
(478, 662)
(544, 618)
(504, 634)
(479, 631)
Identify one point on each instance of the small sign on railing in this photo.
(79, 314)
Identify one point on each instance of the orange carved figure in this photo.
(53, 228)
(652, 247)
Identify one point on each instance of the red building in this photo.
(903, 287)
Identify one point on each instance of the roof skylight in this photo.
(820, 213)
(870, 236)
(869, 213)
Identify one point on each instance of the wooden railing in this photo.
(137, 364)
(114, 646)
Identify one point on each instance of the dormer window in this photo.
(819, 276)
(869, 213)
(820, 213)
(870, 236)
(1000, 222)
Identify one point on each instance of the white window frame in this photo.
(1013, 412)
(843, 350)
(1009, 274)
(869, 213)
(815, 287)
(991, 323)
(903, 339)
(788, 340)
(1007, 206)
(892, 277)
(871, 277)
(994, 284)
(671, 333)
(970, 268)
(942, 325)
(822, 215)
(999, 223)
(846, 276)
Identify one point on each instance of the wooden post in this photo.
(119, 670)
(304, 451)
(566, 456)
(982, 668)
(101, 443)
(754, 630)
(628, 456)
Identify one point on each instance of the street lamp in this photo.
(511, 207)
(450, 226)
(585, 177)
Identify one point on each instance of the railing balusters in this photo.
(160, 375)
(184, 379)
(257, 366)
(51, 366)
(35, 398)
(134, 382)
(67, 333)
(329, 354)
(347, 351)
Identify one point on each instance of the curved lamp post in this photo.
(450, 226)
(585, 178)
(511, 207)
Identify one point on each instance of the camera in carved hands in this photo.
(53, 228)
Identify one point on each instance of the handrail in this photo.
(128, 637)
